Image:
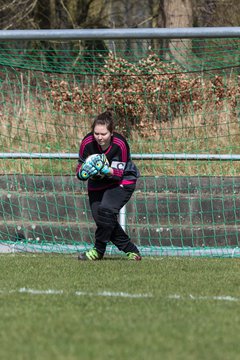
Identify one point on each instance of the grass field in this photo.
(54, 307)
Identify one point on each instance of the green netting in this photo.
(169, 97)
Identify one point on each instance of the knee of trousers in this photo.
(106, 217)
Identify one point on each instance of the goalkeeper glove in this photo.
(98, 161)
(105, 170)
(86, 171)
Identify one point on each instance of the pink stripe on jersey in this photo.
(108, 149)
(121, 144)
(117, 172)
(123, 147)
(103, 151)
(86, 141)
(128, 182)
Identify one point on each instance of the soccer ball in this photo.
(99, 161)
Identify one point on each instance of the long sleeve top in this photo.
(119, 158)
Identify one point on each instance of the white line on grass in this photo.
(118, 294)
(78, 293)
(40, 292)
(114, 294)
(192, 297)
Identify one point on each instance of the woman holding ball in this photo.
(112, 178)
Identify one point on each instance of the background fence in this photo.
(175, 95)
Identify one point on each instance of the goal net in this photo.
(176, 101)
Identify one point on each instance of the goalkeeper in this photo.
(112, 180)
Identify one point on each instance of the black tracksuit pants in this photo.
(105, 206)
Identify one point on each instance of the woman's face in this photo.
(102, 135)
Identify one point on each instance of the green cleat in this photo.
(92, 254)
(134, 256)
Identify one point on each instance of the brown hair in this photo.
(106, 118)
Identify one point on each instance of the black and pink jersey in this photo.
(118, 154)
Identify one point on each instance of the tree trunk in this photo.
(53, 15)
(159, 21)
(179, 13)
